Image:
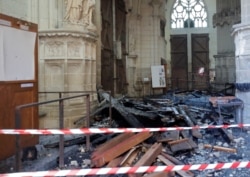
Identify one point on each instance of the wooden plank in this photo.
(220, 148)
(161, 174)
(148, 158)
(178, 141)
(167, 162)
(111, 143)
(115, 162)
(169, 136)
(182, 146)
(175, 161)
(184, 134)
(130, 157)
(119, 149)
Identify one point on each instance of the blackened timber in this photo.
(169, 163)
(129, 117)
(224, 132)
(140, 113)
(189, 122)
(94, 113)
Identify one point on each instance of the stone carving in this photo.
(80, 12)
(227, 16)
(54, 49)
(74, 49)
(74, 9)
(88, 13)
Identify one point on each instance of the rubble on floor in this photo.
(178, 147)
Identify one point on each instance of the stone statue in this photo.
(89, 7)
(80, 11)
(74, 9)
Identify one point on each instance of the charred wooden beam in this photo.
(149, 157)
(169, 136)
(189, 122)
(175, 161)
(130, 157)
(111, 143)
(129, 117)
(100, 159)
(220, 148)
(167, 162)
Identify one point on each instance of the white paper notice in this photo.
(18, 50)
(158, 76)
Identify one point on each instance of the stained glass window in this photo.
(189, 14)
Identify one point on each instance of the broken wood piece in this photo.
(167, 162)
(109, 144)
(174, 160)
(101, 159)
(148, 158)
(161, 174)
(184, 134)
(186, 145)
(130, 157)
(115, 162)
(220, 148)
(177, 141)
(169, 136)
(129, 117)
(189, 122)
(226, 135)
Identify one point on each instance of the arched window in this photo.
(189, 14)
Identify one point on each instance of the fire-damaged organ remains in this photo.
(177, 147)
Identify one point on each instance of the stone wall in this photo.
(68, 58)
(146, 45)
(67, 64)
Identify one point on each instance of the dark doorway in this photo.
(113, 67)
(181, 78)
(179, 62)
(200, 60)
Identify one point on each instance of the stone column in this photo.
(241, 34)
(68, 52)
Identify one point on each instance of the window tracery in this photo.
(189, 14)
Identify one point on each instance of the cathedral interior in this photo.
(133, 48)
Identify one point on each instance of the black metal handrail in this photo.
(61, 124)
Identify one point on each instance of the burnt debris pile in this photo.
(167, 148)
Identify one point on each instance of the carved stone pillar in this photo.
(242, 39)
(67, 52)
(67, 63)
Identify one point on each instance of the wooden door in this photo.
(107, 59)
(113, 68)
(200, 59)
(17, 92)
(179, 62)
(121, 36)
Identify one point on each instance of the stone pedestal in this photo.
(67, 63)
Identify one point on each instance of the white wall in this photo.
(14, 8)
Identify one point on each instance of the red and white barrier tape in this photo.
(109, 130)
(131, 170)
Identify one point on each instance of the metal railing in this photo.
(61, 121)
